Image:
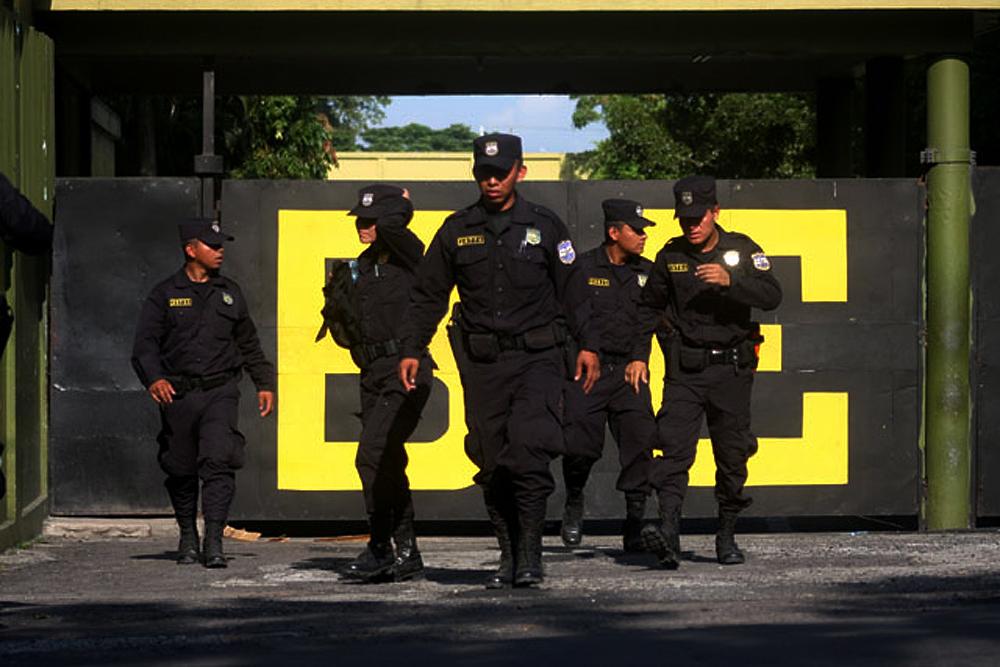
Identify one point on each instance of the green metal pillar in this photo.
(947, 409)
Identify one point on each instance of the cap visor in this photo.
(499, 162)
(692, 211)
(215, 237)
(373, 211)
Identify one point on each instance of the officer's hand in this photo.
(162, 392)
(636, 372)
(713, 274)
(406, 193)
(408, 367)
(265, 402)
(587, 364)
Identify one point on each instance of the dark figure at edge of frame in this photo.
(699, 296)
(615, 274)
(518, 282)
(194, 339)
(385, 274)
(26, 229)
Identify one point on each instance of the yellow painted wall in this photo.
(374, 166)
(504, 5)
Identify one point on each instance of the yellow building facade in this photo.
(384, 166)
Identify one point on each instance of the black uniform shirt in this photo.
(708, 316)
(22, 226)
(198, 329)
(386, 275)
(509, 283)
(614, 294)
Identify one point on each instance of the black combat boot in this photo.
(187, 547)
(571, 530)
(726, 550)
(635, 511)
(576, 470)
(408, 563)
(375, 563)
(504, 575)
(664, 540)
(528, 568)
(211, 549)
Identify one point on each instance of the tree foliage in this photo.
(294, 137)
(736, 135)
(257, 136)
(416, 137)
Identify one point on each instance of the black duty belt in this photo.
(507, 342)
(696, 358)
(186, 383)
(372, 351)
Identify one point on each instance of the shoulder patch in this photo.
(566, 252)
(760, 261)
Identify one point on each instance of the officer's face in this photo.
(700, 231)
(366, 230)
(497, 186)
(631, 240)
(209, 255)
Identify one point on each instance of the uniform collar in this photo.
(182, 281)
(520, 212)
(632, 261)
(691, 250)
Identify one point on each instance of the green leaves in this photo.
(419, 138)
(736, 135)
(293, 137)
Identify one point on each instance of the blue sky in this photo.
(544, 122)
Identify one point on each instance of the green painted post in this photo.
(947, 409)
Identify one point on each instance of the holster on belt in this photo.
(454, 330)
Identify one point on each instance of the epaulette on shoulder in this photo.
(548, 213)
(460, 213)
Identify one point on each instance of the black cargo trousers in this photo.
(629, 415)
(720, 394)
(513, 411)
(199, 438)
(389, 415)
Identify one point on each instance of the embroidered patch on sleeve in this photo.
(566, 252)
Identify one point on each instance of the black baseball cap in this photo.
(693, 195)
(496, 150)
(205, 230)
(625, 211)
(376, 200)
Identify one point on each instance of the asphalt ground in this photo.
(889, 598)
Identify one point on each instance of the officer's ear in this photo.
(522, 171)
(188, 249)
(613, 232)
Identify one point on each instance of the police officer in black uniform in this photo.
(615, 273)
(194, 338)
(699, 299)
(386, 271)
(516, 272)
(26, 229)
